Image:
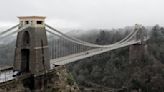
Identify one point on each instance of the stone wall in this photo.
(57, 80)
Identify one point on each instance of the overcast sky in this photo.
(85, 14)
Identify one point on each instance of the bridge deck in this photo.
(90, 53)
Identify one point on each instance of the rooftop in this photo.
(31, 17)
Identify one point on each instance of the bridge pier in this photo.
(35, 83)
(137, 53)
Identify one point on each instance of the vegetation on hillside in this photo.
(113, 70)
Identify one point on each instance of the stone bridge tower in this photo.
(31, 53)
(137, 51)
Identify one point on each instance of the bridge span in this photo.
(31, 53)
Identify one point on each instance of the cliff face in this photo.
(58, 80)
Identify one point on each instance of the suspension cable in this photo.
(73, 39)
(6, 31)
(3, 37)
(86, 43)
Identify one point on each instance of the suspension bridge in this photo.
(32, 54)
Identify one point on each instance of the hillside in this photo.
(112, 70)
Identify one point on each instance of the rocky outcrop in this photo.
(62, 81)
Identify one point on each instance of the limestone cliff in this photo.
(62, 81)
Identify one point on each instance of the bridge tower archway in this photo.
(25, 53)
(25, 60)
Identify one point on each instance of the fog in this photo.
(85, 14)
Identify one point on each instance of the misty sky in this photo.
(85, 14)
